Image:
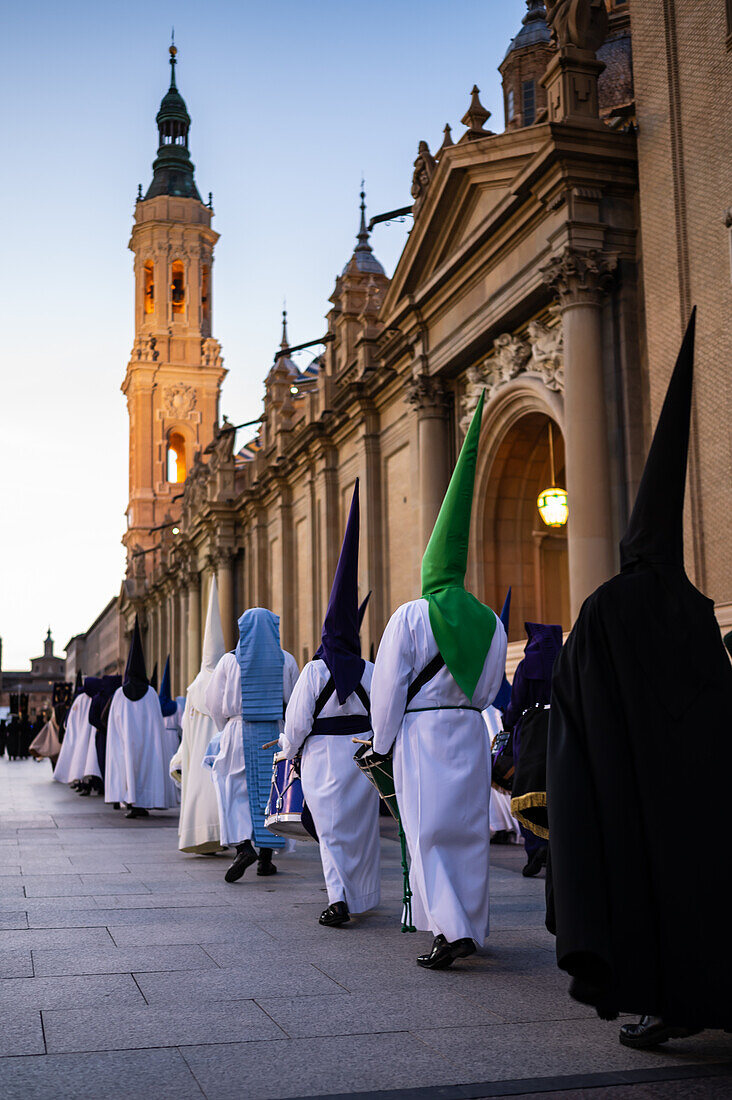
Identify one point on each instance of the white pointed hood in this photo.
(213, 650)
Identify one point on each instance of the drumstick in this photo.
(271, 744)
(360, 741)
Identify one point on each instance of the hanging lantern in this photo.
(552, 502)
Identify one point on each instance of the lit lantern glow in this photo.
(552, 502)
(553, 507)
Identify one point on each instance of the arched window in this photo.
(178, 288)
(149, 287)
(206, 293)
(176, 457)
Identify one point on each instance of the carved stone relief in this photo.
(538, 355)
(179, 400)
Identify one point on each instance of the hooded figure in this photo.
(641, 696)
(172, 725)
(439, 665)
(72, 759)
(76, 692)
(198, 827)
(46, 743)
(136, 767)
(528, 716)
(329, 706)
(98, 715)
(246, 698)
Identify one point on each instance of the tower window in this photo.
(528, 102)
(206, 293)
(149, 287)
(178, 288)
(510, 105)
(176, 457)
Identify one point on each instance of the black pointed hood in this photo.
(655, 532)
(135, 682)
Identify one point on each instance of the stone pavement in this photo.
(128, 968)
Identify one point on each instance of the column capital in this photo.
(580, 276)
(428, 394)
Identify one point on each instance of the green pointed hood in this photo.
(463, 627)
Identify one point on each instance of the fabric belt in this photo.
(418, 710)
(342, 725)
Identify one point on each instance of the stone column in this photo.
(194, 625)
(580, 278)
(427, 394)
(181, 664)
(224, 567)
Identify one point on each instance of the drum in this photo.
(284, 812)
(379, 770)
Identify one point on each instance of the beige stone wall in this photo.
(683, 80)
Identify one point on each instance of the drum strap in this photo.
(424, 677)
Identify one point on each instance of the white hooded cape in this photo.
(442, 773)
(198, 828)
(137, 769)
(226, 759)
(344, 804)
(72, 759)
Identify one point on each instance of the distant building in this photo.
(36, 684)
(97, 652)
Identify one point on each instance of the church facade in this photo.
(553, 264)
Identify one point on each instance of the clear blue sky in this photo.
(290, 102)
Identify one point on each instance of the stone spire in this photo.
(173, 168)
(284, 343)
(363, 259)
(475, 117)
(446, 140)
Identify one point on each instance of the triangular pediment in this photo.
(472, 182)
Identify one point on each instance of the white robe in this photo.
(344, 804)
(171, 744)
(502, 820)
(72, 759)
(442, 773)
(198, 826)
(228, 771)
(137, 769)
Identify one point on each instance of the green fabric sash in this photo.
(463, 627)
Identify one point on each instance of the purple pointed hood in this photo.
(542, 650)
(340, 647)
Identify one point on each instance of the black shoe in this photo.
(83, 789)
(335, 915)
(535, 864)
(116, 806)
(265, 865)
(137, 811)
(245, 857)
(502, 836)
(651, 1031)
(443, 954)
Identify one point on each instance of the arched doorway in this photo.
(518, 549)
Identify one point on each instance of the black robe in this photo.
(641, 726)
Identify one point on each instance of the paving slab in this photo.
(13, 918)
(21, 1033)
(16, 963)
(313, 1067)
(162, 1074)
(117, 960)
(50, 993)
(62, 937)
(132, 1028)
(269, 977)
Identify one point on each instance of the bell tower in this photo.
(174, 375)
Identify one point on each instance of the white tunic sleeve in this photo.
(301, 710)
(223, 692)
(392, 674)
(290, 673)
